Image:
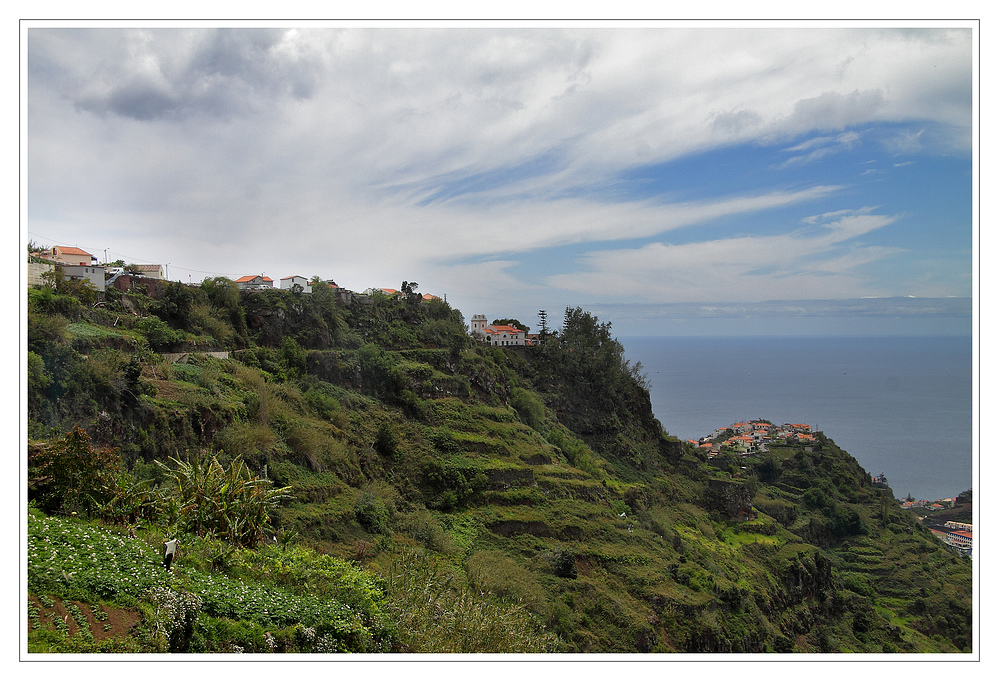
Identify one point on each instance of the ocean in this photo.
(900, 406)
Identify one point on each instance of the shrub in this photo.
(68, 475)
(528, 407)
(159, 334)
(371, 513)
(564, 564)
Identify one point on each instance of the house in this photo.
(501, 334)
(70, 255)
(295, 283)
(254, 282)
(427, 297)
(504, 335)
(384, 291)
(961, 540)
(94, 275)
(148, 271)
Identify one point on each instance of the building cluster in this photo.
(956, 535)
(753, 437)
(79, 265)
(938, 505)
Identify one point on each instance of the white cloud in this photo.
(309, 150)
(813, 264)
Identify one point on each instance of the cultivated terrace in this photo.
(367, 477)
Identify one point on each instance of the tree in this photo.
(511, 322)
(409, 291)
(68, 475)
(543, 326)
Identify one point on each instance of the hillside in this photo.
(404, 488)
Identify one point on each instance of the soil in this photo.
(119, 622)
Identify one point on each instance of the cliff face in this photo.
(539, 475)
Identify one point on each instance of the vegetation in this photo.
(362, 476)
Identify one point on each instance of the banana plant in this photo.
(233, 504)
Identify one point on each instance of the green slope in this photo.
(529, 494)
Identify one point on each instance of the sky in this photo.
(672, 178)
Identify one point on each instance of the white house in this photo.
(296, 283)
(501, 334)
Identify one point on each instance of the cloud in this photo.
(905, 142)
(374, 154)
(819, 263)
(834, 110)
(173, 74)
(820, 147)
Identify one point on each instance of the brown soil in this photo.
(119, 622)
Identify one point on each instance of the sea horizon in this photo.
(901, 405)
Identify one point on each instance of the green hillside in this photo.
(362, 475)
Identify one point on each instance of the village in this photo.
(754, 437)
(79, 265)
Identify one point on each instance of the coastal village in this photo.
(749, 438)
(77, 264)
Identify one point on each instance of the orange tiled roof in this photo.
(251, 277)
(71, 250)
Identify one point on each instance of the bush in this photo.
(159, 334)
(528, 407)
(564, 564)
(68, 475)
(371, 513)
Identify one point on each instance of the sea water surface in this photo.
(900, 406)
